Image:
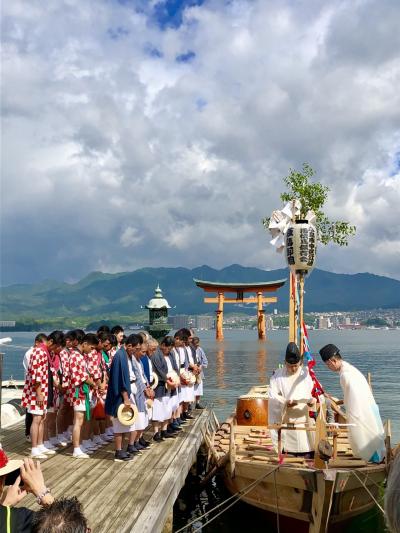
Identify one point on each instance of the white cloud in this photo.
(111, 146)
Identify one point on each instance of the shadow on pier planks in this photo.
(119, 497)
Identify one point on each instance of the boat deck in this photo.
(119, 497)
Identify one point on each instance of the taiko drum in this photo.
(252, 411)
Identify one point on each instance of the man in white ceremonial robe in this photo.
(289, 399)
(366, 433)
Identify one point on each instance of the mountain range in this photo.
(108, 295)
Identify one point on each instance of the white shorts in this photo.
(120, 428)
(37, 411)
(187, 394)
(174, 402)
(80, 407)
(162, 409)
(142, 421)
(198, 389)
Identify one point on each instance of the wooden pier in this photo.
(137, 496)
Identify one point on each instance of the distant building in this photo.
(347, 321)
(181, 321)
(323, 322)
(269, 322)
(204, 322)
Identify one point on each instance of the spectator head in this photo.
(56, 341)
(40, 337)
(62, 516)
(89, 342)
(118, 331)
(196, 342)
(152, 346)
(70, 338)
(103, 329)
(79, 335)
(113, 340)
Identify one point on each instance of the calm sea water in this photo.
(241, 361)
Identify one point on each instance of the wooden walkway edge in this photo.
(134, 497)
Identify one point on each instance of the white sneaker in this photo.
(62, 440)
(49, 445)
(46, 450)
(89, 451)
(79, 454)
(90, 444)
(37, 454)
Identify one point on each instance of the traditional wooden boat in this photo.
(321, 491)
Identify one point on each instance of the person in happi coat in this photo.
(39, 339)
(289, 400)
(143, 392)
(366, 433)
(80, 391)
(121, 390)
(162, 406)
(38, 391)
(202, 362)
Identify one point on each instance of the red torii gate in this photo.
(259, 288)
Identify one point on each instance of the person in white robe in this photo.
(289, 400)
(366, 433)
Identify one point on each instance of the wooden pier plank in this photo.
(136, 496)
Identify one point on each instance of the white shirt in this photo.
(169, 364)
(26, 360)
(283, 387)
(367, 436)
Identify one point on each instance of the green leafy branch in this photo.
(313, 197)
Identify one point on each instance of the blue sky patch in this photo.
(187, 57)
(152, 51)
(201, 103)
(117, 33)
(169, 13)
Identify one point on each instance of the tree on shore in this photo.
(313, 197)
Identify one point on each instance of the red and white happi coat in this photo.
(93, 364)
(78, 374)
(38, 373)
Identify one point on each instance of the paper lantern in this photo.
(301, 246)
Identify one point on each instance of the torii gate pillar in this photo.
(261, 317)
(239, 289)
(220, 317)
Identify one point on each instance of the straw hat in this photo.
(127, 415)
(8, 465)
(154, 380)
(149, 403)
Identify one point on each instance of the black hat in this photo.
(328, 351)
(292, 353)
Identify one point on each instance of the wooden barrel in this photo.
(252, 410)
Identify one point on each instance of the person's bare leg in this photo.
(35, 430)
(118, 441)
(77, 427)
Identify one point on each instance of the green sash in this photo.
(85, 389)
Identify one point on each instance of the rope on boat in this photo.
(369, 492)
(278, 528)
(237, 495)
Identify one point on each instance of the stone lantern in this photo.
(158, 307)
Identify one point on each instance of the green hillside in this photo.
(108, 295)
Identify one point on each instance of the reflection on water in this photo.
(261, 362)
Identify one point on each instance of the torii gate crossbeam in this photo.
(258, 288)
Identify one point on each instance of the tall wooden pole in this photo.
(220, 317)
(301, 312)
(292, 310)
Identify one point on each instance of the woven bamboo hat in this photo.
(8, 465)
(127, 415)
(154, 380)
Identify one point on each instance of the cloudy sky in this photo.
(156, 133)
